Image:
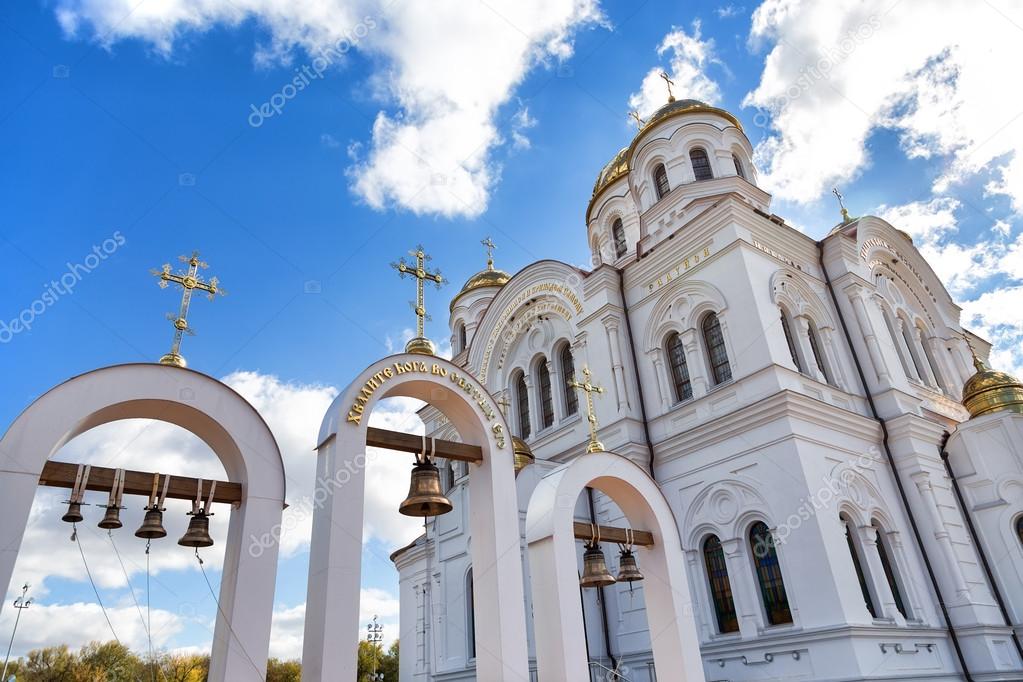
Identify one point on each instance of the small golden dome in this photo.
(523, 454)
(992, 391)
(491, 277)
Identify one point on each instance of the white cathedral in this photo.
(845, 474)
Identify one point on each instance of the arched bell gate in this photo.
(215, 413)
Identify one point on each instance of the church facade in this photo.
(846, 475)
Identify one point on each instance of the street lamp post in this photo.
(375, 635)
(21, 604)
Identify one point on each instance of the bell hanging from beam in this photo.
(74, 506)
(424, 493)
(152, 526)
(112, 519)
(74, 513)
(628, 570)
(595, 573)
(198, 533)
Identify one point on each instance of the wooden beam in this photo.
(62, 475)
(641, 538)
(410, 442)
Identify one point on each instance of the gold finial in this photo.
(589, 388)
(639, 122)
(489, 244)
(978, 364)
(419, 344)
(841, 204)
(189, 281)
(669, 83)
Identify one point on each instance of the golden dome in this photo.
(992, 391)
(491, 277)
(522, 453)
(615, 168)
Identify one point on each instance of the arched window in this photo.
(818, 353)
(868, 600)
(679, 368)
(720, 587)
(889, 569)
(618, 232)
(567, 376)
(929, 356)
(661, 181)
(470, 617)
(716, 352)
(738, 166)
(1019, 529)
(790, 340)
(546, 398)
(768, 571)
(701, 164)
(462, 342)
(522, 402)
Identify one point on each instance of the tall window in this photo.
(618, 232)
(772, 586)
(462, 342)
(818, 354)
(522, 402)
(661, 181)
(716, 349)
(568, 375)
(720, 587)
(701, 164)
(860, 576)
(546, 398)
(470, 616)
(679, 368)
(738, 167)
(889, 569)
(790, 340)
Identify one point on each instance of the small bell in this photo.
(112, 519)
(628, 571)
(424, 494)
(523, 455)
(152, 525)
(74, 513)
(595, 573)
(198, 533)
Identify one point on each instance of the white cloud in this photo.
(836, 72)
(521, 122)
(689, 57)
(729, 11)
(447, 67)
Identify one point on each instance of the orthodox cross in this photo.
(841, 204)
(189, 281)
(504, 404)
(639, 122)
(419, 344)
(669, 83)
(587, 387)
(489, 244)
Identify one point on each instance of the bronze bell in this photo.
(152, 525)
(198, 533)
(628, 571)
(523, 455)
(595, 573)
(112, 519)
(74, 513)
(424, 494)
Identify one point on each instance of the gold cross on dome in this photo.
(419, 343)
(489, 244)
(841, 204)
(589, 389)
(669, 83)
(639, 122)
(189, 281)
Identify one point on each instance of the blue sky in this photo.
(132, 122)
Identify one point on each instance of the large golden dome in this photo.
(991, 391)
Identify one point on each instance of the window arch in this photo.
(701, 164)
(818, 353)
(889, 568)
(661, 181)
(720, 586)
(861, 576)
(679, 367)
(543, 375)
(716, 353)
(522, 403)
(470, 616)
(462, 341)
(567, 376)
(618, 234)
(738, 166)
(768, 573)
(790, 340)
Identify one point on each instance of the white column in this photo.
(695, 364)
(803, 335)
(745, 594)
(834, 358)
(659, 372)
(942, 535)
(904, 350)
(611, 326)
(881, 372)
(876, 575)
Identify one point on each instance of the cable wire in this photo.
(227, 621)
(74, 538)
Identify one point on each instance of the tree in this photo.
(389, 664)
(53, 664)
(109, 662)
(283, 671)
(183, 668)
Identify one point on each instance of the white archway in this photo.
(215, 413)
(558, 626)
(335, 559)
